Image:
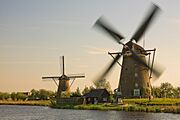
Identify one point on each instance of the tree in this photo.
(34, 95)
(41, 94)
(45, 94)
(65, 94)
(176, 92)
(91, 88)
(21, 96)
(13, 96)
(156, 92)
(103, 84)
(4, 95)
(77, 93)
(86, 90)
(166, 90)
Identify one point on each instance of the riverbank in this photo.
(131, 107)
(134, 105)
(126, 107)
(157, 105)
(28, 102)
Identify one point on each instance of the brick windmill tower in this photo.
(136, 72)
(64, 80)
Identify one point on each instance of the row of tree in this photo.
(166, 90)
(41, 94)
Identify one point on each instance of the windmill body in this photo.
(134, 77)
(63, 86)
(135, 71)
(64, 81)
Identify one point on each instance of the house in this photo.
(96, 96)
(26, 93)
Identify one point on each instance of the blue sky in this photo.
(33, 34)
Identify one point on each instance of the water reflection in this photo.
(9, 112)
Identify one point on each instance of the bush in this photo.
(158, 110)
(178, 110)
(131, 108)
(4, 96)
(168, 110)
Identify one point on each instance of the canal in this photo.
(16, 112)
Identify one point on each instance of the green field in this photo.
(168, 105)
(156, 101)
(20, 102)
(139, 105)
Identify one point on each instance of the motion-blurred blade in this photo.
(108, 69)
(146, 23)
(108, 29)
(157, 71)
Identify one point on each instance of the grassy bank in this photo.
(137, 105)
(133, 108)
(33, 103)
(127, 107)
(156, 101)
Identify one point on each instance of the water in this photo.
(15, 112)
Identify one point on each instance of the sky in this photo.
(35, 33)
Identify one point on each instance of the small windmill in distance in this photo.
(64, 84)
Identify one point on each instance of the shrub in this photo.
(178, 110)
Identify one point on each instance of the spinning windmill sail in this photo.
(134, 72)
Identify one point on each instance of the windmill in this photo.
(136, 72)
(64, 80)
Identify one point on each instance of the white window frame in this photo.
(136, 92)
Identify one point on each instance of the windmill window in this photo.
(104, 99)
(136, 75)
(136, 92)
(136, 85)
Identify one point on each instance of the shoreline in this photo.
(30, 103)
(127, 108)
(103, 107)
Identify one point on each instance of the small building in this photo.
(96, 96)
(26, 93)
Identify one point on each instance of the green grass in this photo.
(156, 101)
(33, 103)
(167, 105)
(133, 108)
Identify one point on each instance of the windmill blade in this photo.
(108, 29)
(52, 77)
(61, 62)
(146, 23)
(108, 69)
(157, 71)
